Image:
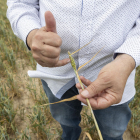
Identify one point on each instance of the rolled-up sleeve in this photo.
(131, 45)
(23, 16)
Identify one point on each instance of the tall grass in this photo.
(7, 113)
(134, 125)
(21, 116)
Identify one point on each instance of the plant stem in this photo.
(96, 124)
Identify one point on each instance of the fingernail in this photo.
(68, 61)
(85, 93)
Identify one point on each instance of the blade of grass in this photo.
(76, 72)
(65, 100)
(75, 97)
(81, 47)
(90, 59)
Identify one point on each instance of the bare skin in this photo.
(45, 44)
(108, 88)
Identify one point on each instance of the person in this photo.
(108, 78)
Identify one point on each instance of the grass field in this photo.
(21, 116)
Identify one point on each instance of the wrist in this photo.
(126, 61)
(30, 37)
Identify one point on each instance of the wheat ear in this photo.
(77, 75)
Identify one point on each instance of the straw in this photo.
(75, 97)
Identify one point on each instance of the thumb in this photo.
(93, 89)
(50, 22)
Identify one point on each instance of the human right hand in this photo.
(109, 86)
(45, 44)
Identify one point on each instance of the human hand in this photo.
(45, 44)
(108, 88)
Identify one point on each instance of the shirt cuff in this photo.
(24, 29)
(131, 47)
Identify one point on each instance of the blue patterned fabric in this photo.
(112, 24)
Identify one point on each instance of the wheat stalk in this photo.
(88, 135)
(76, 72)
(75, 97)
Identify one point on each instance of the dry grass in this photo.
(21, 116)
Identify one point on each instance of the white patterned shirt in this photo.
(112, 24)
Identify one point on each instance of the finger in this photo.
(62, 62)
(79, 86)
(45, 61)
(80, 98)
(85, 81)
(83, 100)
(41, 63)
(101, 102)
(50, 22)
(94, 88)
(80, 90)
(49, 38)
(54, 62)
(52, 39)
(50, 62)
(50, 52)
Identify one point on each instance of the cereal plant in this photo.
(21, 115)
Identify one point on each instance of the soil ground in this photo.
(26, 101)
(127, 136)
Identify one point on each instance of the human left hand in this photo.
(109, 86)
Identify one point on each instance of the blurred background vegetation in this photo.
(21, 116)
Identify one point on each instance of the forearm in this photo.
(126, 62)
(23, 17)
